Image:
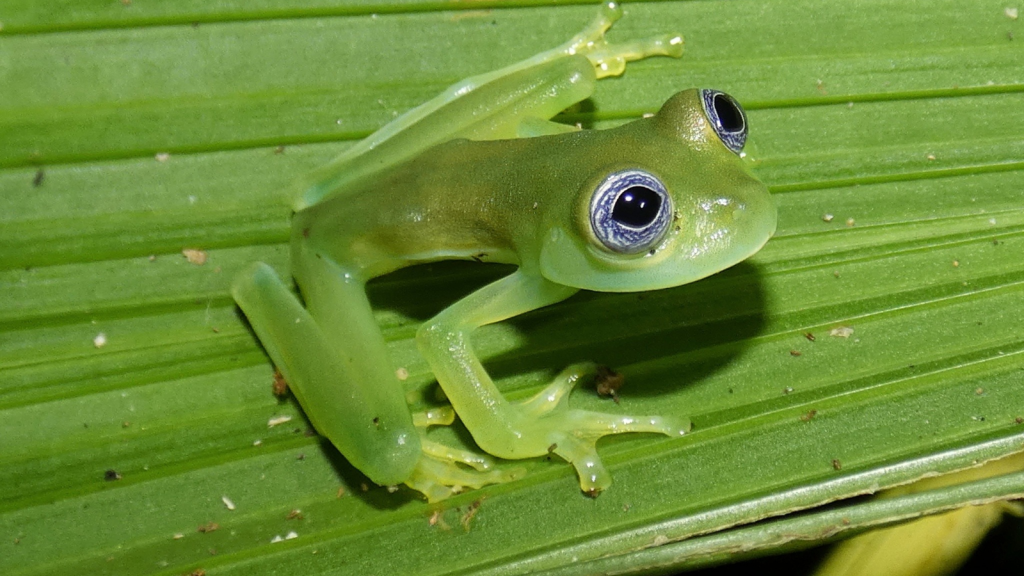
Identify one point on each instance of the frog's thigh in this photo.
(345, 390)
(497, 109)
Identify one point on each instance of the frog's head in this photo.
(672, 202)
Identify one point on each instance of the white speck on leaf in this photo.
(841, 332)
(197, 257)
(227, 502)
(278, 420)
(100, 340)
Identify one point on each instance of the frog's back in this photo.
(456, 200)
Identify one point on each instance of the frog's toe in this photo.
(439, 479)
(607, 14)
(665, 45)
(582, 429)
(554, 395)
(582, 454)
(444, 453)
(443, 416)
(611, 59)
(593, 425)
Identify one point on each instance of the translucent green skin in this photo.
(480, 172)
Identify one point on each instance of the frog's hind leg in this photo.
(370, 392)
(368, 421)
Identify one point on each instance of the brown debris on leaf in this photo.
(280, 386)
(437, 519)
(608, 382)
(470, 513)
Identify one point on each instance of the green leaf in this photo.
(889, 132)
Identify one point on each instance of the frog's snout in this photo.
(728, 228)
(750, 218)
(757, 213)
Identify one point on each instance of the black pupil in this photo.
(728, 114)
(638, 206)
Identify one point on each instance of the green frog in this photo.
(481, 172)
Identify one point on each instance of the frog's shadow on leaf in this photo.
(724, 311)
(353, 482)
(359, 486)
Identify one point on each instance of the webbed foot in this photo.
(578, 433)
(545, 423)
(610, 59)
(440, 472)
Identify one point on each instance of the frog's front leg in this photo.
(542, 424)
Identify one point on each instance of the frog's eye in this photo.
(630, 211)
(727, 118)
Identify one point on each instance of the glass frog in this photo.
(481, 171)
